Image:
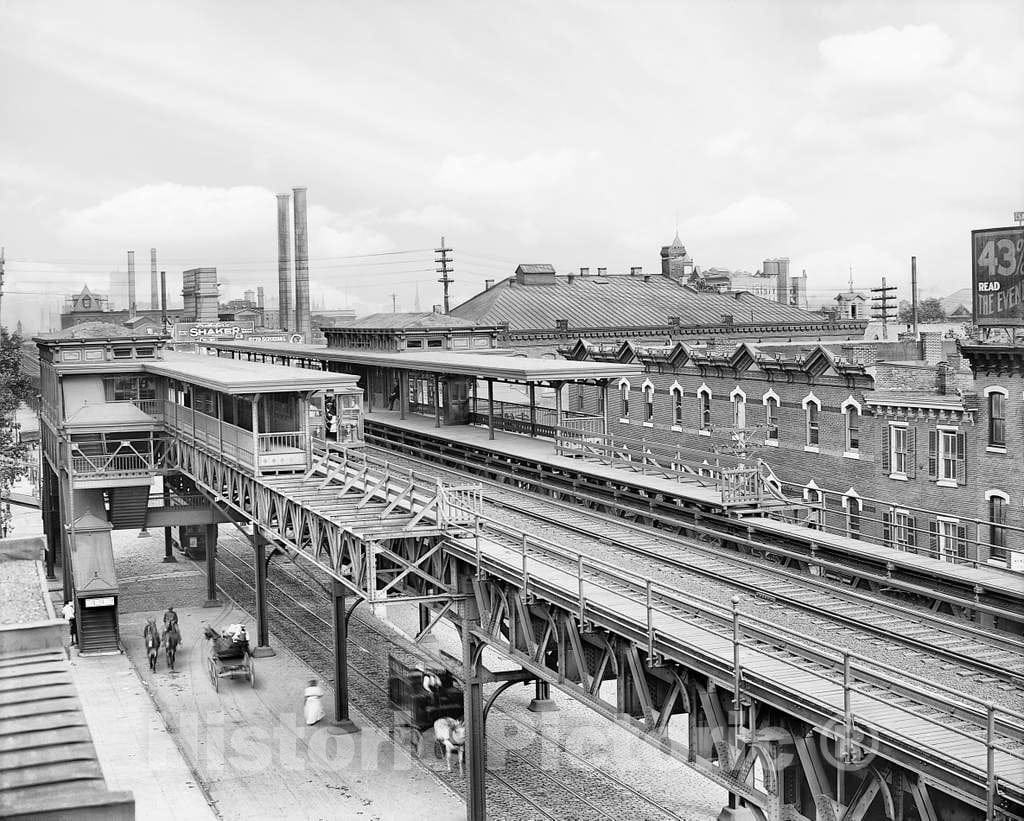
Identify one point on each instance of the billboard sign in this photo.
(997, 256)
(205, 331)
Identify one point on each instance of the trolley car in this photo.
(418, 698)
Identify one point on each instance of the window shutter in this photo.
(911, 453)
(887, 529)
(912, 531)
(933, 454)
(885, 449)
(961, 541)
(961, 458)
(933, 537)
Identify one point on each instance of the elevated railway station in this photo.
(789, 726)
(735, 502)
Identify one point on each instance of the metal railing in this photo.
(130, 456)
(740, 481)
(514, 417)
(282, 442)
(943, 535)
(862, 680)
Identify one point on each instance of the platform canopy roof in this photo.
(235, 377)
(499, 366)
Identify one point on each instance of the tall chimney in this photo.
(163, 301)
(154, 282)
(259, 307)
(284, 262)
(913, 292)
(301, 266)
(131, 285)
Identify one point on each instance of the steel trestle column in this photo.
(211, 567)
(168, 540)
(473, 710)
(342, 723)
(259, 544)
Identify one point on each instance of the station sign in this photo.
(104, 601)
(997, 260)
(204, 331)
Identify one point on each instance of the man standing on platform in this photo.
(68, 611)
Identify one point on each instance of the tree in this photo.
(15, 388)
(929, 310)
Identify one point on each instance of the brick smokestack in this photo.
(131, 285)
(284, 262)
(154, 281)
(302, 321)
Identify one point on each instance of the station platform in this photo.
(543, 450)
(999, 582)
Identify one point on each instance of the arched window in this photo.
(851, 414)
(771, 418)
(704, 407)
(997, 503)
(812, 409)
(648, 403)
(677, 406)
(996, 416)
(854, 507)
(624, 397)
(739, 408)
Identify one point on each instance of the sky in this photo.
(838, 134)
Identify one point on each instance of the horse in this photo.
(172, 638)
(450, 735)
(152, 636)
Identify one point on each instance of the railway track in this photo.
(962, 656)
(521, 789)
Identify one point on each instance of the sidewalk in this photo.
(135, 749)
(255, 754)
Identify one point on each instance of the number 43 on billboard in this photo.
(1000, 257)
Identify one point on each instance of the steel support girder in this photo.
(331, 545)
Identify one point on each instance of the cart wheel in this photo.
(252, 674)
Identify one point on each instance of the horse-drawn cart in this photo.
(229, 658)
(229, 668)
(418, 698)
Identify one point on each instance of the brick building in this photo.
(919, 454)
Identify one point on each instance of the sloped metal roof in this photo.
(426, 319)
(620, 301)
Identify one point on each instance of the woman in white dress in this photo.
(314, 708)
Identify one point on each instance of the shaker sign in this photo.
(199, 331)
(998, 276)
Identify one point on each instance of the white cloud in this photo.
(160, 213)
(480, 174)
(754, 215)
(440, 218)
(888, 56)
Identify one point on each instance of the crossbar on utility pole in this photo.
(445, 270)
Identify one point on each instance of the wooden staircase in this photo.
(97, 631)
(128, 507)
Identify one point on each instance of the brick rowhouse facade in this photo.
(895, 452)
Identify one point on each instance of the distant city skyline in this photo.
(835, 134)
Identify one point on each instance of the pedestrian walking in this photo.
(314, 707)
(68, 611)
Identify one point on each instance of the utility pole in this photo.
(394, 303)
(2, 279)
(884, 306)
(446, 268)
